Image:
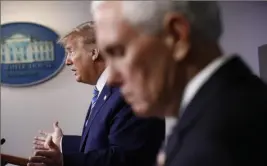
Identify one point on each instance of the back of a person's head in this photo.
(203, 16)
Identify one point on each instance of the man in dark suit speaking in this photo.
(112, 134)
(165, 56)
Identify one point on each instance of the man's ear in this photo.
(177, 28)
(95, 54)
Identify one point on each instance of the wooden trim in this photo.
(14, 160)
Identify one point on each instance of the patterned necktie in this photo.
(94, 99)
(93, 102)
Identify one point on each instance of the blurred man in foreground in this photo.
(112, 134)
(166, 58)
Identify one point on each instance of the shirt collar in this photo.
(102, 81)
(194, 85)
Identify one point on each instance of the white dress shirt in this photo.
(102, 81)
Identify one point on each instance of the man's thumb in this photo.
(55, 125)
(51, 144)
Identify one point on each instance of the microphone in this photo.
(3, 140)
(3, 163)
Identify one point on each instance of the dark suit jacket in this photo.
(225, 124)
(114, 136)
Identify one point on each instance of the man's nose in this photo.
(68, 61)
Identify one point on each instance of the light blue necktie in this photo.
(94, 99)
(93, 102)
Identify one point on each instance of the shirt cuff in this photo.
(60, 144)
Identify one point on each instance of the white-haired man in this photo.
(166, 58)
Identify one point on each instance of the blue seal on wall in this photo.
(29, 54)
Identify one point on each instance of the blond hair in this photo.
(85, 32)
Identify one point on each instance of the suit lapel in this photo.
(191, 114)
(103, 97)
(87, 115)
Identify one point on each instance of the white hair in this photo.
(204, 17)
